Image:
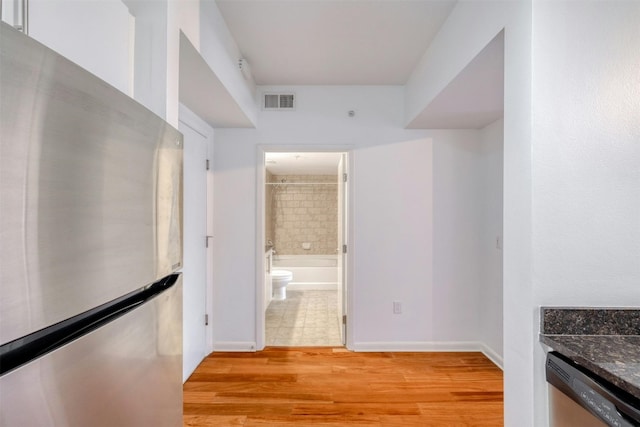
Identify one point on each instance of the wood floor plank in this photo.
(256, 387)
(213, 420)
(276, 368)
(465, 413)
(228, 409)
(335, 387)
(442, 385)
(346, 378)
(437, 421)
(315, 421)
(198, 396)
(387, 398)
(273, 397)
(356, 409)
(255, 376)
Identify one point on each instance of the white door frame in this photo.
(343, 242)
(260, 231)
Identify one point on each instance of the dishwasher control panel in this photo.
(602, 399)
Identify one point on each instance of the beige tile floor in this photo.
(305, 318)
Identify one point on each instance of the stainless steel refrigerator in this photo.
(90, 249)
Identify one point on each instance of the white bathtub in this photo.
(317, 272)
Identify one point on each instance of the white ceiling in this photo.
(201, 91)
(354, 42)
(303, 163)
(333, 42)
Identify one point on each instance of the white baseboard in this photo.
(234, 346)
(493, 356)
(400, 346)
(395, 346)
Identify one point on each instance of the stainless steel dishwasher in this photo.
(579, 398)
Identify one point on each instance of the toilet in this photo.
(279, 281)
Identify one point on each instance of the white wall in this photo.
(94, 35)
(157, 53)
(467, 266)
(571, 165)
(392, 246)
(150, 55)
(456, 219)
(470, 26)
(220, 51)
(586, 151)
(234, 263)
(520, 318)
(489, 186)
(320, 119)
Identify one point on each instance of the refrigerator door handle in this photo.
(26, 349)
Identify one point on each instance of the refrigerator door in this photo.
(126, 373)
(90, 190)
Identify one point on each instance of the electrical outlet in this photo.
(397, 307)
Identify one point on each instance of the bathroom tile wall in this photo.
(268, 199)
(305, 214)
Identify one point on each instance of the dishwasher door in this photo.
(564, 412)
(579, 398)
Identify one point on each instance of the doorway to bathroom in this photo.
(304, 242)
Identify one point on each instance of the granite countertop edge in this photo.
(563, 345)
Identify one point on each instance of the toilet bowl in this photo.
(279, 281)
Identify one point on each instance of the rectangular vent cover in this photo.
(279, 101)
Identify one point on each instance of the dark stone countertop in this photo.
(604, 341)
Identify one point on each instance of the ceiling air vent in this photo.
(279, 101)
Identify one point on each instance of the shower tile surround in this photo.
(297, 214)
(268, 208)
(305, 318)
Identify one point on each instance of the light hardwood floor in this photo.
(334, 387)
